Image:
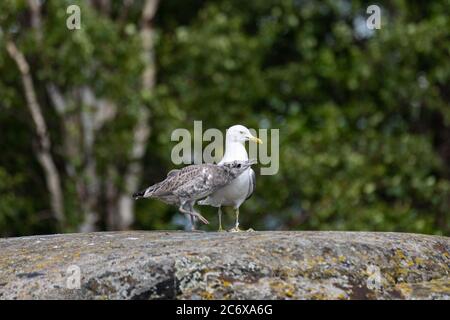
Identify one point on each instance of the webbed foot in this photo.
(235, 229)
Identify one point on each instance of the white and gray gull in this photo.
(240, 189)
(185, 186)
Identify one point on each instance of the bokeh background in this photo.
(364, 117)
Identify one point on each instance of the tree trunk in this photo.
(79, 133)
(43, 151)
(142, 128)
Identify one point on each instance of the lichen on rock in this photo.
(257, 265)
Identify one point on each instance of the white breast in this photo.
(235, 193)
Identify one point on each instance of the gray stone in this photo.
(210, 265)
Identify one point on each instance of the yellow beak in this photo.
(255, 139)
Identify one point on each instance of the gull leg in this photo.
(193, 219)
(236, 227)
(193, 213)
(192, 223)
(220, 220)
(187, 214)
(191, 209)
(188, 218)
(199, 216)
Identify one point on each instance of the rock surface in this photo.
(257, 265)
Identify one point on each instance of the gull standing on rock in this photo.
(185, 186)
(241, 188)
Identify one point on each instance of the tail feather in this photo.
(139, 194)
(144, 193)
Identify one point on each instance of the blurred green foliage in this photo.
(364, 115)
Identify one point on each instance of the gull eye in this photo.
(238, 166)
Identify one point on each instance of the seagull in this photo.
(185, 186)
(241, 188)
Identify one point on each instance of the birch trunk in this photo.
(142, 128)
(43, 150)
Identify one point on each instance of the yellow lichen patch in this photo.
(320, 259)
(404, 288)
(287, 272)
(312, 262)
(206, 295)
(319, 296)
(289, 292)
(389, 278)
(399, 254)
(401, 271)
(226, 283)
(425, 288)
(436, 285)
(341, 296)
(283, 289)
(342, 259)
(403, 264)
(330, 272)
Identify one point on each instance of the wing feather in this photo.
(251, 183)
(204, 181)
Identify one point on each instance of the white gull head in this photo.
(236, 137)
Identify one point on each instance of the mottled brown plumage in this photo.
(185, 186)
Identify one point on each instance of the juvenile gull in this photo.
(185, 186)
(241, 188)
